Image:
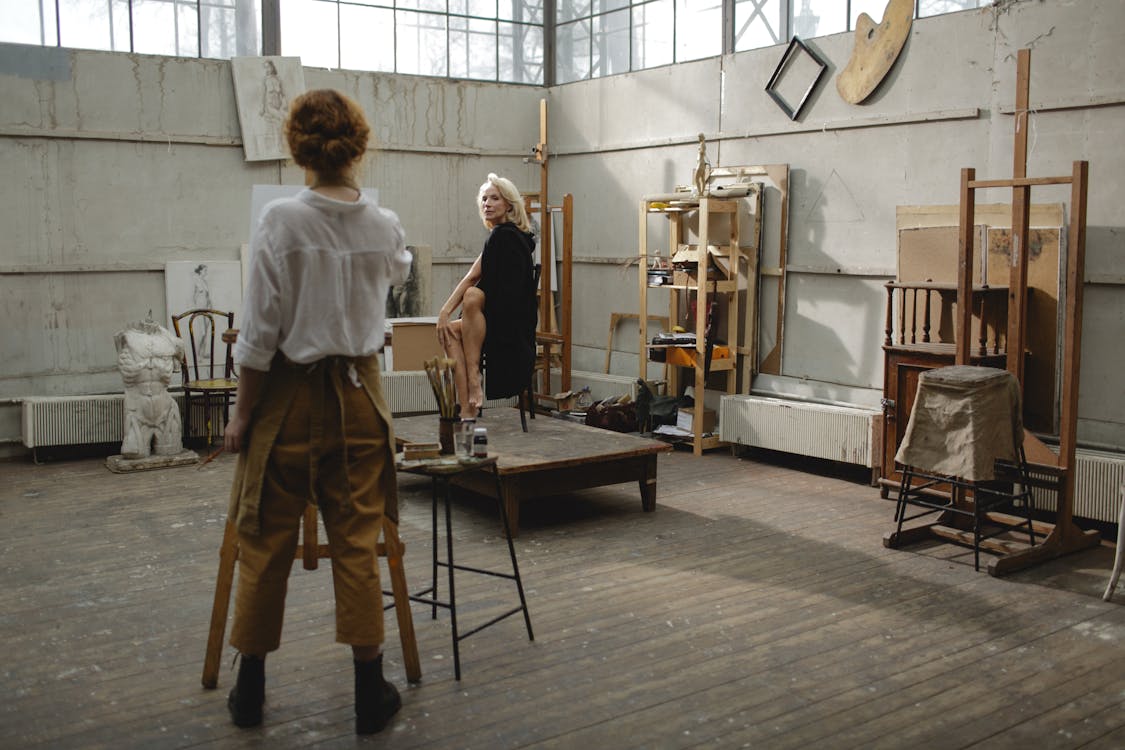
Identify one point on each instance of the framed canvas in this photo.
(263, 88)
(412, 299)
(212, 284)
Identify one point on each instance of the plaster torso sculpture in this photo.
(147, 355)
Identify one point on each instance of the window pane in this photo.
(572, 51)
(231, 28)
(610, 44)
(572, 9)
(699, 29)
(601, 6)
(480, 8)
(937, 7)
(819, 18)
(420, 43)
(434, 5)
(528, 11)
(472, 48)
(758, 24)
(309, 30)
(161, 27)
(521, 53)
(28, 22)
(89, 24)
(367, 38)
(873, 8)
(653, 24)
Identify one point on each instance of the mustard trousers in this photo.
(332, 446)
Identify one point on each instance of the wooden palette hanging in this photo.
(877, 46)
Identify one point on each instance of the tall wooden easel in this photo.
(1063, 536)
(550, 335)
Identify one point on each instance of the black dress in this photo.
(510, 310)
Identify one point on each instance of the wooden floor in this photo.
(755, 608)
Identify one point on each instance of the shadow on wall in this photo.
(834, 323)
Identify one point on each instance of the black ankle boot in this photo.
(376, 700)
(249, 692)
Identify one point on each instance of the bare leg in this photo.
(473, 329)
(455, 351)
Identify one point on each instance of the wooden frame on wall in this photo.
(797, 59)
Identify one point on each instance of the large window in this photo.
(479, 39)
(491, 40)
(604, 37)
(189, 28)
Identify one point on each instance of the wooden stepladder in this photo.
(310, 553)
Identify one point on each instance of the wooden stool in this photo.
(965, 436)
(309, 551)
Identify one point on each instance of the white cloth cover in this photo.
(964, 418)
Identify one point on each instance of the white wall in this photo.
(946, 105)
(117, 163)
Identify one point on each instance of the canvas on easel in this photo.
(263, 89)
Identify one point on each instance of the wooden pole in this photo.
(567, 301)
(545, 300)
(1021, 204)
(1072, 337)
(965, 267)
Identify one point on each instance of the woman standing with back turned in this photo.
(311, 422)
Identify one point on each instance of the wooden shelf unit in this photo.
(702, 288)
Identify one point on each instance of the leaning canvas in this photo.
(263, 88)
(211, 284)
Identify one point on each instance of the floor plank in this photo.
(756, 607)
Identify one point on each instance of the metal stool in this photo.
(440, 471)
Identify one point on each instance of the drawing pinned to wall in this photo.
(263, 88)
(212, 285)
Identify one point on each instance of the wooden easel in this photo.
(1063, 536)
(552, 333)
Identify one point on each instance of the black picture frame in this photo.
(796, 47)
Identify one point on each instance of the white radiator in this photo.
(601, 385)
(86, 420)
(408, 392)
(91, 419)
(1098, 480)
(836, 433)
(73, 420)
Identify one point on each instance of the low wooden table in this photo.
(553, 457)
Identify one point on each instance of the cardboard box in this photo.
(684, 418)
(413, 341)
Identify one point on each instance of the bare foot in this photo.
(476, 398)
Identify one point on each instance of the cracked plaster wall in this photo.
(124, 162)
(119, 163)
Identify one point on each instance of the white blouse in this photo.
(320, 271)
